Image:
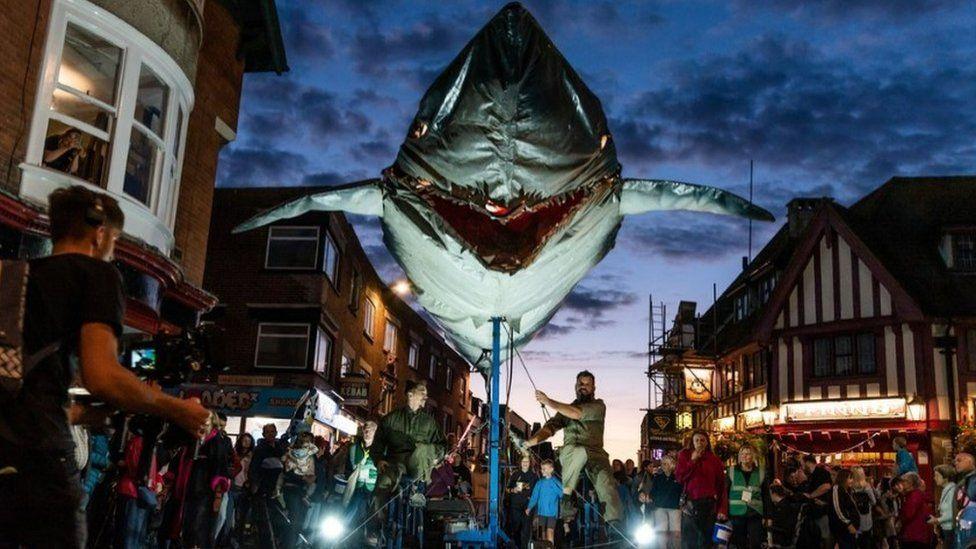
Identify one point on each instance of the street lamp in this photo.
(401, 287)
(946, 344)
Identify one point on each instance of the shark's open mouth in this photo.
(504, 238)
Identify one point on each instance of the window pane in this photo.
(70, 104)
(151, 101)
(821, 357)
(413, 356)
(74, 152)
(368, 318)
(964, 251)
(282, 351)
(292, 248)
(843, 359)
(389, 338)
(866, 363)
(324, 359)
(141, 167)
(89, 64)
(330, 261)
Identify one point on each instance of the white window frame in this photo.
(390, 342)
(413, 355)
(307, 337)
(153, 222)
(324, 349)
(432, 367)
(267, 249)
(369, 318)
(329, 242)
(449, 377)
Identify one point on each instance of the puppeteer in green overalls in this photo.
(582, 423)
(408, 442)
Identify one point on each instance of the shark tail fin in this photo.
(645, 195)
(363, 197)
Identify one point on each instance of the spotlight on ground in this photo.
(332, 528)
(644, 535)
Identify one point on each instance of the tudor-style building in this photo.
(830, 341)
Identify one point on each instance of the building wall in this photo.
(235, 273)
(218, 93)
(170, 23)
(23, 30)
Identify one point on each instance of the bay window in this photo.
(111, 114)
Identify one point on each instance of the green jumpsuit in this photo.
(583, 450)
(410, 443)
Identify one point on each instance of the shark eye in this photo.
(604, 139)
(419, 129)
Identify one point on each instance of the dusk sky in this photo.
(827, 97)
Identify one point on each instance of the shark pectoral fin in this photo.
(364, 198)
(645, 195)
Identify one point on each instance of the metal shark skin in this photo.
(507, 189)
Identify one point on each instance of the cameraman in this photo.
(74, 297)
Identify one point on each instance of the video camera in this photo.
(171, 359)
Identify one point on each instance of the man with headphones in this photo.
(75, 302)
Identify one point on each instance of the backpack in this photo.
(14, 366)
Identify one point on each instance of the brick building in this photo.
(832, 339)
(302, 306)
(147, 93)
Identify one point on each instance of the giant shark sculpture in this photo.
(507, 189)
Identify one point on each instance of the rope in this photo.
(821, 454)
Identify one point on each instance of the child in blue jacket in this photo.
(546, 494)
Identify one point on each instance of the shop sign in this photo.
(835, 410)
(662, 426)
(251, 381)
(250, 401)
(698, 383)
(354, 391)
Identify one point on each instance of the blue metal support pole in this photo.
(494, 440)
(492, 535)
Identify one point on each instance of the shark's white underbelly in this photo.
(457, 290)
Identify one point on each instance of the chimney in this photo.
(800, 211)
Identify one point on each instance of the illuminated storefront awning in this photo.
(846, 410)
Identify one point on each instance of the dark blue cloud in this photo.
(831, 11)
(784, 103)
(258, 167)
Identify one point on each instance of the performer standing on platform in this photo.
(582, 421)
(408, 441)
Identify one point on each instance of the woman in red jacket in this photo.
(702, 475)
(914, 515)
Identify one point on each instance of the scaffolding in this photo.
(674, 363)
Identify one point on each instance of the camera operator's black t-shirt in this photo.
(64, 291)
